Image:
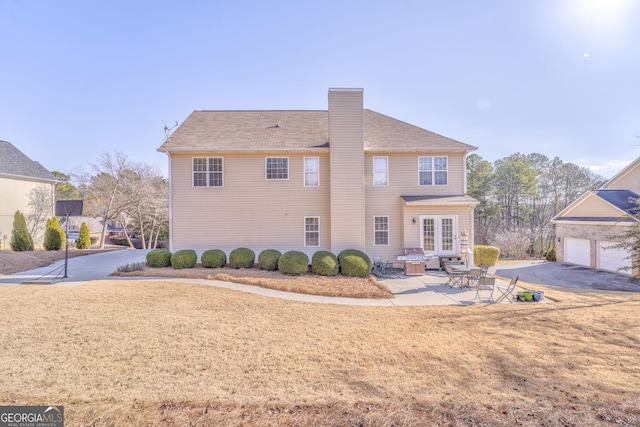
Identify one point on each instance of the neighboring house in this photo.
(114, 228)
(346, 178)
(587, 229)
(19, 176)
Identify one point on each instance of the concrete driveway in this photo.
(566, 275)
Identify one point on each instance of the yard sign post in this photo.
(68, 208)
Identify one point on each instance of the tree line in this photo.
(113, 189)
(519, 195)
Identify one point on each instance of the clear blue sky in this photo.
(557, 77)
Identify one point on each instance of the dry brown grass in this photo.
(162, 353)
(312, 284)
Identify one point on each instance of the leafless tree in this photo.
(40, 209)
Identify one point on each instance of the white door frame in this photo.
(455, 251)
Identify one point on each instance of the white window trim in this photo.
(276, 179)
(386, 184)
(304, 237)
(433, 171)
(388, 230)
(304, 172)
(206, 172)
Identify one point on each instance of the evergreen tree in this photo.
(84, 240)
(54, 236)
(21, 239)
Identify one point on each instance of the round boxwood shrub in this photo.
(324, 263)
(242, 258)
(354, 263)
(159, 258)
(213, 258)
(268, 259)
(293, 263)
(185, 258)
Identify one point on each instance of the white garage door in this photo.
(577, 251)
(613, 259)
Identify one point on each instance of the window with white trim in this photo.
(433, 170)
(381, 230)
(208, 172)
(311, 171)
(312, 231)
(277, 167)
(380, 171)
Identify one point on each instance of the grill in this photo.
(414, 261)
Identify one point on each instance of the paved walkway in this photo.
(429, 289)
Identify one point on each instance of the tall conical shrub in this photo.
(21, 239)
(53, 235)
(84, 240)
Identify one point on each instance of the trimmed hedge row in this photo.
(350, 262)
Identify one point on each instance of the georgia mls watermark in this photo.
(31, 416)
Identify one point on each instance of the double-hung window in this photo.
(311, 172)
(433, 170)
(312, 231)
(380, 171)
(381, 230)
(277, 167)
(208, 172)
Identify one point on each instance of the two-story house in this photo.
(329, 180)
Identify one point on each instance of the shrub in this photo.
(293, 263)
(550, 255)
(324, 263)
(134, 266)
(84, 240)
(242, 258)
(354, 263)
(213, 258)
(185, 258)
(54, 237)
(21, 239)
(159, 258)
(485, 256)
(268, 259)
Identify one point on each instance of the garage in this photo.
(613, 259)
(577, 251)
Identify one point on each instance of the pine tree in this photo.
(84, 240)
(53, 235)
(21, 239)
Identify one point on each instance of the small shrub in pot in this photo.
(293, 263)
(268, 259)
(159, 258)
(242, 258)
(185, 258)
(324, 263)
(213, 258)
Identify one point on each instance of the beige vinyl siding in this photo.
(403, 181)
(249, 210)
(628, 181)
(14, 196)
(347, 169)
(592, 206)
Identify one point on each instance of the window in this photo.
(432, 170)
(381, 230)
(311, 172)
(277, 167)
(380, 171)
(207, 172)
(312, 231)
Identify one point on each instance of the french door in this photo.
(439, 234)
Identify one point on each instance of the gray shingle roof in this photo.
(15, 162)
(295, 130)
(625, 200)
(455, 199)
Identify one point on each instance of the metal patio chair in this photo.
(507, 292)
(456, 278)
(474, 276)
(486, 284)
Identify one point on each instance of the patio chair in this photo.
(486, 284)
(456, 278)
(474, 276)
(507, 292)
